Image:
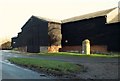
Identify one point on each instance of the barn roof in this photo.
(49, 20)
(111, 16)
(41, 18)
(107, 12)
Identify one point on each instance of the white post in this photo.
(86, 47)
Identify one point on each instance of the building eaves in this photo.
(88, 16)
(49, 20)
(113, 16)
(81, 17)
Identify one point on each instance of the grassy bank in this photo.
(109, 55)
(53, 67)
(115, 55)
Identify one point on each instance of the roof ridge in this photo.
(48, 19)
(88, 15)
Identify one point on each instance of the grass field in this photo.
(49, 66)
(115, 55)
(110, 55)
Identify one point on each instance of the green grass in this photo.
(55, 67)
(111, 55)
(115, 55)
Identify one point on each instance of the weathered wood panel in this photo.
(94, 29)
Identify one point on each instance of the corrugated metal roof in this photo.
(88, 16)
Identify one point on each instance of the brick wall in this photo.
(94, 48)
(98, 48)
(71, 48)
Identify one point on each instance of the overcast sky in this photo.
(14, 13)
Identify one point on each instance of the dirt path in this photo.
(100, 71)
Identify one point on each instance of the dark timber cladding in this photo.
(95, 30)
(43, 34)
(37, 35)
(103, 36)
(33, 35)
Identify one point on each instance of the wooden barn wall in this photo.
(38, 35)
(14, 42)
(94, 29)
(113, 36)
(34, 35)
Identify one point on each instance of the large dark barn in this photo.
(35, 35)
(104, 35)
(40, 34)
(100, 34)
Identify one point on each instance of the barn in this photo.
(102, 28)
(42, 34)
(38, 34)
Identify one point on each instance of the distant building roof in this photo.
(108, 13)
